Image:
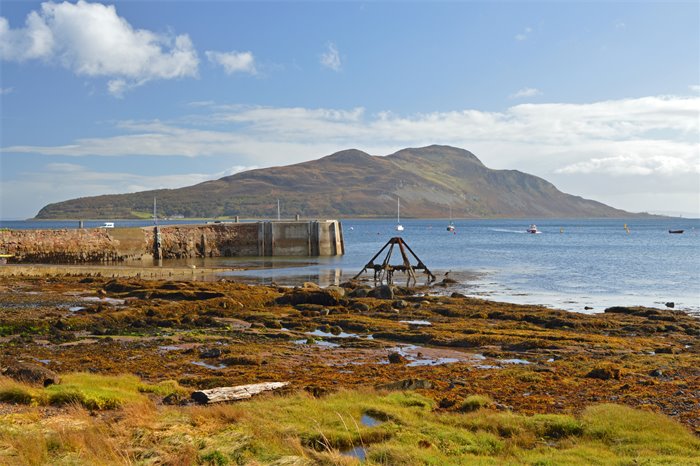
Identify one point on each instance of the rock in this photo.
(457, 295)
(337, 290)
(31, 373)
(336, 330)
(382, 292)
(242, 361)
(407, 384)
(619, 310)
(448, 281)
(321, 297)
(210, 353)
(359, 293)
(604, 373)
(587, 308)
(656, 373)
(310, 286)
(361, 307)
(396, 358)
(670, 304)
(400, 304)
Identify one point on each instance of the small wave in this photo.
(503, 230)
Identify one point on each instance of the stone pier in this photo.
(91, 245)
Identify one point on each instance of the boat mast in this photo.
(155, 216)
(278, 209)
(398, 210)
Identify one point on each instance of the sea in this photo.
(583, 265)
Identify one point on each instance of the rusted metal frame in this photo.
(420, 265)
(407, 264)
(370, 264)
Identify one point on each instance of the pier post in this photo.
(157, 247)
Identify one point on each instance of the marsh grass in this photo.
(15, 392)
(301, 429)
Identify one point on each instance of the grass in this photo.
(298, 428)
(475, 402)
(92, 391)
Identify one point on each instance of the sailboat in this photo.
(451, 225)
(399, 227)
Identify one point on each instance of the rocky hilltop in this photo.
(351, 183)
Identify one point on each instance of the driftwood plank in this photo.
(240, 392)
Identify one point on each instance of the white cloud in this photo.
(629, 143)
(695, 87)
(331, 57)
(60, 181)
(6, 90)
(525, 92)
(91, 40)
(233, 62)
(523, 35)
(563, 138)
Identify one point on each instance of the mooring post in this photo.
(157, 249)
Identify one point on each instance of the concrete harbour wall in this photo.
(280, 238)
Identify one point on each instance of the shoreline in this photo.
(352, 340)
(469, 283)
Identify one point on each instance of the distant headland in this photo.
(431, 181)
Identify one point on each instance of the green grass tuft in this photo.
(475, 402)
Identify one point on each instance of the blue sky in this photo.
(603, 99)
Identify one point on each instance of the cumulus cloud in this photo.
(233, 62)
(331, 57)
(525, 92)
(91, 39)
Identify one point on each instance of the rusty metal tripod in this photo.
(386, 271)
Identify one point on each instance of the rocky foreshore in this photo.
(528, 359)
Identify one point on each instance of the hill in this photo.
(352, 183)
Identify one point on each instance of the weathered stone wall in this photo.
(177, 241)
(71, 246)
(211, 240)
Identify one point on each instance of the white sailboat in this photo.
(451, 225)
(399, 227)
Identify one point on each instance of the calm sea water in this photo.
(571, 264)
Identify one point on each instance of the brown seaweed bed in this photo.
(205, 334)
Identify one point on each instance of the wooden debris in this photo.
(240, 392)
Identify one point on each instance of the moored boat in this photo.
(532, 229)
(399, 227)
(676, 232)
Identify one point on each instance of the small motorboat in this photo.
(532, 229)
(451, 227)
(676, 232)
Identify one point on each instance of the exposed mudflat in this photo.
(206, 334)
